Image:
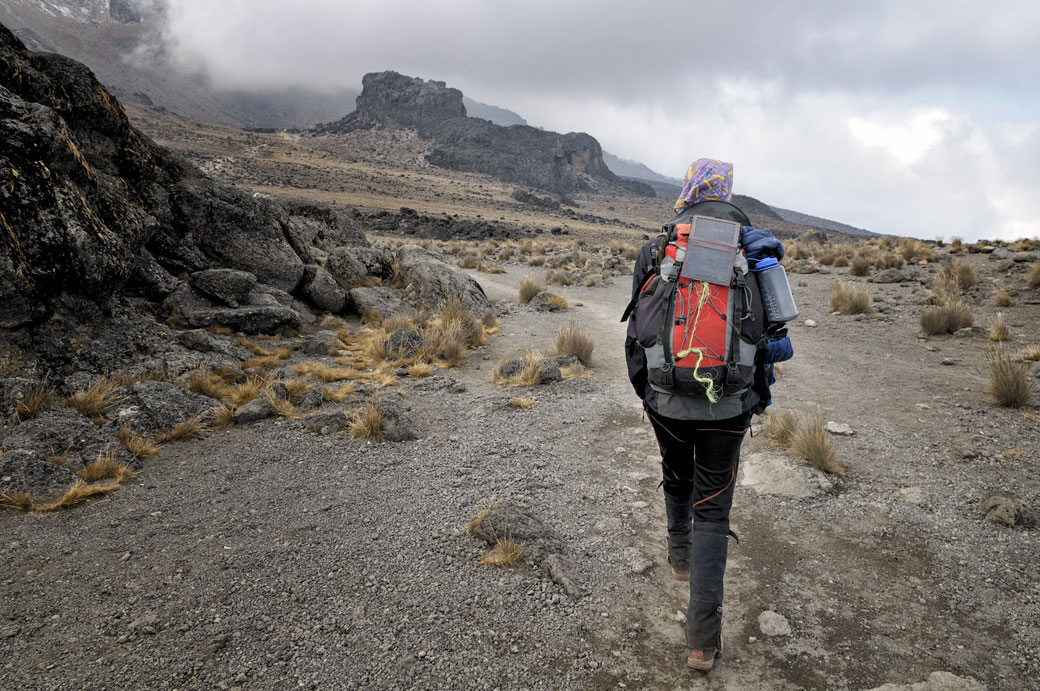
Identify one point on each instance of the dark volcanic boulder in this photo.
(392, 98)
(378, 261)
(25, 471)
(345, 266)
(153, 407)
(322, 289)
(429, 280)
(382, 299)
(227, 285)
(60, 432)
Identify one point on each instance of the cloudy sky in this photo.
(915, 118)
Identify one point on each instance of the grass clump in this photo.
(849, 298)
(34, 400)
(136, 444)
(420, 370)
(97, 399)
(1008, 382)
(1003, 297)
(521, 402)
(17, 500)
(999, 330)
(945, 319)
(570, 340)
(106, 467)
(780, 427)
(860, 266)
(78, 492)
(530, 286)
(207, 383)
(193, 428)
(506, 552)
(325, 373)
(809, 441)
(367, 422)
(338, 394)
(961, 272)
(224, 416)
(1029, 352)
(557, 301)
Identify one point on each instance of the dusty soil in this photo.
(267, 556)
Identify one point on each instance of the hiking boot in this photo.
(678, 574)
(703, 660)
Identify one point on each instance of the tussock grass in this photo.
(17, 500)
(890, 261)
(1034, 276)
(490, 323)
(338, 394)
(486, 507)
(945, 290)
(957, 245)
(264, 362)
(1003, 297)
(224, 416)
(77, 493)
(371, 317)
(1008, 382)
(559, 278)
(848, 298)
(946, 318)
(557, 301)
(97, 399)
(537, 260)
(193, 428)
(325, 373)
(1029, 352)
(34, 400)
(419, 370)
(367, 422)
(136, 444)
(506, 552)
(999, 330)
(527, 375)
(106, 467)
(529, 287)
(809, 441)
(575, 369)
(208, 384)
(243, 393)
(280, 406)
(780, 427)
(570, 340)
(521, 402)
(860, 266)
(252, 346)
(962, 273)
(296, 389)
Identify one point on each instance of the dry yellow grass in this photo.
(1029, 352)
(78, 492)
(572, 341)
(530, 286)
(252, 346)
(296, 389)
(371, 317)
(325, 373)
(575, 369)
(136, 444)
(208, 384)
(97, 399)
(34, 400)
(240, 394)
(1003, 296)
(17, 500)
(962, 273)
(506, 552)
(224, 416)
(264, 362)
(809, 441)
(220, 330)
(848, 298)
(338, 394)
(367, 422)
(280, 406)
(522, 402)
(419, 370)
(860, 266)
(780, 427)
(1034, 276)
(1008, 382)
(946, 318)
(527, 375)
(192, 428)
(999, 330)
(106, 467)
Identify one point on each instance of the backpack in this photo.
(701, 336)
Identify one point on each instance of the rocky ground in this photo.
(267, 556)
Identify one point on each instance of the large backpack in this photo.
(700, 338)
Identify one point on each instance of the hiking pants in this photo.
(699, 463)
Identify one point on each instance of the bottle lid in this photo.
(763, 264)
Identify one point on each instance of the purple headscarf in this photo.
(706, 178)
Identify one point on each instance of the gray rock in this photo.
(205, 342)
(397, 425)
(775, 474)
(510, 369)
(841, 429)
(257, 409)
(998, 253)
(560, 570)
(226, 285)
(1006, 509)
(773, 624)
(12, 389)
(377, 260)
(312, 399)
(937, 681)
(321, 344)
(430, 279)
(22, 470)
(811, 323)
(322, 289)
(404, 342)
(890, 276)
(342, 264)
(547, 371)
(60, 431)
(384, 300)
(327, 421)
(508, 520)
(153, 407)
(1020, 257)
(803, 266)
(266, 319)
(913, 495)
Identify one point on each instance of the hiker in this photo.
(700, 396)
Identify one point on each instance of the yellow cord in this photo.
(711, 389)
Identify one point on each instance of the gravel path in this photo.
(269, 557)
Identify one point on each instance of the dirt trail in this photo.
(268, 557)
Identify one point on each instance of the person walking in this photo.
(701, 424)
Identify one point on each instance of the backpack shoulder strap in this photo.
(656, 250)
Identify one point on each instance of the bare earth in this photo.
(270, 557)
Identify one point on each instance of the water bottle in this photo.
(775, 290)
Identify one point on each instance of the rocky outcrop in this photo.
(429, 280)
(519, 154)
(389, 98)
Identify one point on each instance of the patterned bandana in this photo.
(706, 178)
